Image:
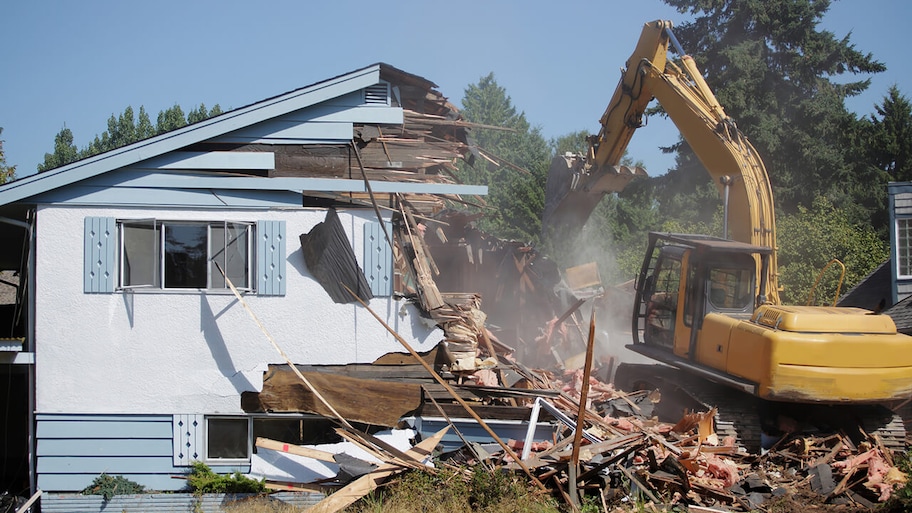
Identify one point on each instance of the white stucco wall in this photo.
(191, 352)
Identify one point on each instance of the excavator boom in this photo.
(576, 183)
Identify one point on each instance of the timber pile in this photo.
(628, 453)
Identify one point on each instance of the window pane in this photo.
(229, 247)
(185, 256)
(226, 439)
(903, 249)
(139, 254)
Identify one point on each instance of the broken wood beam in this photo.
(445, 385)
(348, 494)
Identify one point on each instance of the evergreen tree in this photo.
(773, 70)
(891, 136)
(64, 151)
(514, 162)
(127, 128)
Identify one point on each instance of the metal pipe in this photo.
(726, 181)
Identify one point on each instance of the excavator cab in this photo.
(685, 277)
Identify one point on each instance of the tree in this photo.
(773, 70)
(891, 136)
(124, 129)
(7, 172)
(810, 238)
(64, 151)
(514, 162)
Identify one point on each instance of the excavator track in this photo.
(745, 417)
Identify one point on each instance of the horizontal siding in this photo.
(112, 465)
(123, 428)
(140, 196)
(217, 160)
(291, 131)
(72, 450)
(103, 447)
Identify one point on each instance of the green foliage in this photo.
(472, 489)
(122, 130)
(514, 165)
(203, 480)
(108, 486)
(7, 173)
(891, 136)
(775, 72)
(809, 239)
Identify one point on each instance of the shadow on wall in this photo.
(218, 349)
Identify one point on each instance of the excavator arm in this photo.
(576, 184)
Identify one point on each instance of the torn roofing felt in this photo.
(329, 256)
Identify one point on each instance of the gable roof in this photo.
(871, 290)
(225, 123)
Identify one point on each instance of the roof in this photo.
(376, 130)
(270, 108)
(871, 290)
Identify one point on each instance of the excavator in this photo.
(708, 307)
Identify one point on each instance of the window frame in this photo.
(207, 431)
(903, 247)
(159, 249)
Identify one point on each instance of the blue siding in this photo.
(72, 450)
(378, 259)
(100, 254)
(271, 258)
(103, 447)
(172, 197)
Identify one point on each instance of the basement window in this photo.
(228, 439)
(185, 255)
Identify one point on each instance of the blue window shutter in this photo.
(100, 254)
(378, 259)
(270, 258)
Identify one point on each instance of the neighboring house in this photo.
(888, 288)
(129, 353)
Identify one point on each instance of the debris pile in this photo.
(623, 454)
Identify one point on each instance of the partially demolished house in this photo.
(158, 282)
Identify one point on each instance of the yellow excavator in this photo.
(708, 307)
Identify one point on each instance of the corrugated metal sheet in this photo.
(161, 502)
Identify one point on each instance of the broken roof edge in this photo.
(31, 185)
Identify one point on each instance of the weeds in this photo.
(203, 480)
(109, 486)
(457, 490)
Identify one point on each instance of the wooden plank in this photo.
(282, 392)
(360, 487)
(297, 450)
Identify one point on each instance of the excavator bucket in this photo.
(573, 191)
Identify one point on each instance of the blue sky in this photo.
(75, 64)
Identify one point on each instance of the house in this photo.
(128, 352)
(888, 288)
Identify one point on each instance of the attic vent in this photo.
(377, 94)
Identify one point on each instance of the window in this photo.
(185, 255)
(227, 438)
(904, 247)
(130, 254)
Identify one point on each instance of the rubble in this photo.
(604, 442)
